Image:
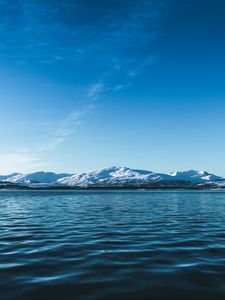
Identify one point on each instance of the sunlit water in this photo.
(112, 245)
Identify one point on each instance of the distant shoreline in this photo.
(139, 188)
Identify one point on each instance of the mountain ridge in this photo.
(114, 177)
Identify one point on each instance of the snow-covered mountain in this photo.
(48, 178)
(114, 177)
(119, 176)
(195, 176)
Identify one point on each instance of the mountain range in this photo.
(113, 177)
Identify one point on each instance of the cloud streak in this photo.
(113, 37)
(33, 159)
(64, 129)
(52, 32)
(107, 40)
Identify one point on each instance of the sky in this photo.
(88, 84)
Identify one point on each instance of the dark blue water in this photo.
(112, 245)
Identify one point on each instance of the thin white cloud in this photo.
(94, 90)
(140, 68)
(32, 159)
(120, 87)
(22, 162)
(114, 51)
(64, 128)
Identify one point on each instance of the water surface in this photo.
(112, 245)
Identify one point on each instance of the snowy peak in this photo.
(119, 176)
(5, 177)
(113, 177)
(33, 178)
(194, 176)
(108, 176)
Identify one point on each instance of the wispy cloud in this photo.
(64, 128)
(94, 90)
(34, 158)
(109, 42)
(114, 36)
(52, 32)
(22, 162)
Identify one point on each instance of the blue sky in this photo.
(86, 84)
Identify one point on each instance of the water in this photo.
(112, 245)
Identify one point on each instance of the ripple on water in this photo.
(112, 245)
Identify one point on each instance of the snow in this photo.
(112, 176)
(37, 177)
(124, 176)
